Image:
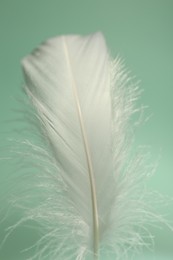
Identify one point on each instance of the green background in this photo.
(141, 32)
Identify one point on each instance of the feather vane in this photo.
(62, 79)
(87, 185)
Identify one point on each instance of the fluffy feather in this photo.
(90, 194)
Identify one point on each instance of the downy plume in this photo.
(88, 193)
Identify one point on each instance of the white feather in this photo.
(90, 197)
(68, 79)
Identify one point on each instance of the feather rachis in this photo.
(88, 157)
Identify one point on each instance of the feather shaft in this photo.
(87, 153)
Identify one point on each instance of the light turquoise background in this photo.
(141, 32)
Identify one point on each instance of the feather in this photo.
(68, 80)
(90, 194)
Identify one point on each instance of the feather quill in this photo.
(90, 191)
